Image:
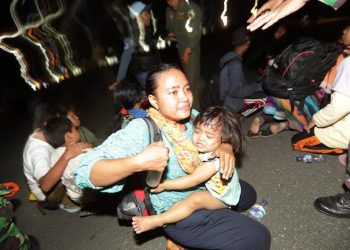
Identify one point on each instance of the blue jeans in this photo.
(222, 228)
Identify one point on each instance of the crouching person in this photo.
(127, 151)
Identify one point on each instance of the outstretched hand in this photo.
(272, 11)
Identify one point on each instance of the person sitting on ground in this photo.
(233, 91)
(127, 151)
(130, 97)
(212, 127)
(85, 134)
(60, 133)
(278, 110)
(44, 179)
(329, 129)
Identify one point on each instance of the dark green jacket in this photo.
(176, 22)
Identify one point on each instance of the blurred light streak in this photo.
(223, 14)
(254, 10)
(141, 27)
(19, 56)
(60, 38)
(154, 22)
(23, 30)
(190, 15)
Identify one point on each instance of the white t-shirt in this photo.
(68, 179)
(36, 163)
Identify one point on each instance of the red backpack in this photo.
(135, 201)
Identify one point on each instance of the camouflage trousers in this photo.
(10, 236)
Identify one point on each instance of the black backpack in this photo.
(299, 70)
(135, 201)
(210, 94)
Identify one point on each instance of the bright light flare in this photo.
(254, 10)
(223, 14)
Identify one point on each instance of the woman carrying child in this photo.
(213, 127)
(128, 151)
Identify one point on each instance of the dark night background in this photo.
(95, 29)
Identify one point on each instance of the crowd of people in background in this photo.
(61, 158)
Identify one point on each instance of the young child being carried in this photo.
(214, 126)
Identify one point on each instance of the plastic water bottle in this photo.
(258, 211)
(310, 158)
(153, 178)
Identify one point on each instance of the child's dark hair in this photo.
(127, 94)
(55, 130)
(45, 111)
(230, 125)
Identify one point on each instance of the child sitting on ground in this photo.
(60, 133)
(131, 99)
(214, 126)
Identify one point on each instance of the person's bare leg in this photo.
(259, 121)
(256, 124)
(179, 211)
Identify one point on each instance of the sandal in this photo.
(266, 132)
(250, 134)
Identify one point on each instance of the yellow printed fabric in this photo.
(186, 153)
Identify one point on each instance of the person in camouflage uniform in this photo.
(184, 25)
(10, 236)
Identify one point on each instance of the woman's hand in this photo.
(309, 125)
(154, 157)
(227, 160)
(272, 11)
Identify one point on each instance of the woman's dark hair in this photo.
(230, 125)
(45, 111)
(127, 94)
(55, 130)
(151, 79)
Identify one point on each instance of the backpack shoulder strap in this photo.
(154, 135)
(192, 117)
(126, 119)
(154, 132)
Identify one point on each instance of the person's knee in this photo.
(261, 237)
(265, 237)
(196, 200)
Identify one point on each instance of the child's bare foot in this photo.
(145, 223)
